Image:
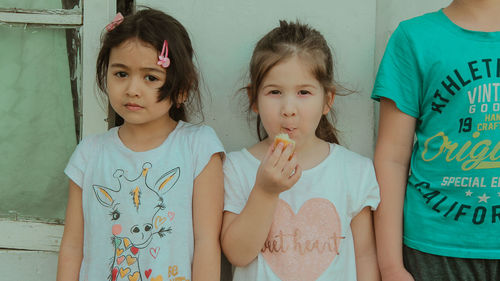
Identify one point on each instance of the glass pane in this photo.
(38, 5)
(37, 124)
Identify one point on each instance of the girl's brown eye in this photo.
(121, 74)
(151, 78)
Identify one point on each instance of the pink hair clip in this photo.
(115, 22)
(163, 59)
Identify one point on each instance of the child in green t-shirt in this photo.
(440, 80)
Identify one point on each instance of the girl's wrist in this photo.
(391, 269)
(261, 191)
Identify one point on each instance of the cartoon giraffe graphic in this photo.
(133, 206)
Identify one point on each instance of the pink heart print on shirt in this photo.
(301, 246)
(154, 252)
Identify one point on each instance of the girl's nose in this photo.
(133, 88)
(288, 108)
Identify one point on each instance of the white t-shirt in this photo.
(137, 206)
(310, 238)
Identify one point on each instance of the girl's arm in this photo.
(208, 197)
(392, 159)
(243, 235)
(71, 250)
(364, 246)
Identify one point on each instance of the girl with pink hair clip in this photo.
(145, 198)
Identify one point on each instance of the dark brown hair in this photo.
(281, 43)
(153, 27)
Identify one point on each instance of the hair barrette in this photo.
(115, 22)
(163, 59)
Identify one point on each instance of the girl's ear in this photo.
(249, 94)
(330, 97)
(182, 98)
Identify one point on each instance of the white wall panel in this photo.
(225, 32)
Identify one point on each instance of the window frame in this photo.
(91, 17)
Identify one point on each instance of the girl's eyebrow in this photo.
(152, 69)
(120, 65)
(298, 86)
(306, 86)
(270, 86)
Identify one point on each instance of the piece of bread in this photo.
(285, 139)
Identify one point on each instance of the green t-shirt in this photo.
(448, 78)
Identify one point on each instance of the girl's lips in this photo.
(133, 106)
(289, 131)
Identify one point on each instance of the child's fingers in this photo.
(285, 156)
(275, 156)
(269, 152)
(294, 178)
(289, 167)
(289, 152)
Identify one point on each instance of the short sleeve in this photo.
(78, 161)
(235, 193)
(367, 193)
(398, 77)
(204, 144)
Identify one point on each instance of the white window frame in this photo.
(91, 18)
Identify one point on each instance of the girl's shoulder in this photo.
(189, 130)
(257, 151)
(90, 147)
(95, 141)
(198, 139)
(357, 173)
(241, 160)
(241, 155)
(348, 158)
